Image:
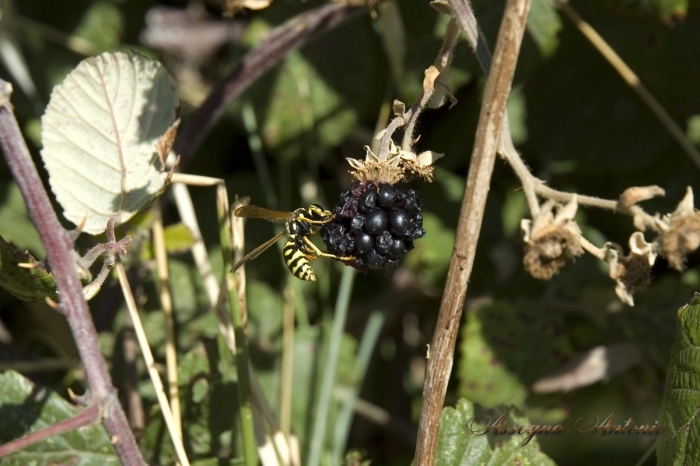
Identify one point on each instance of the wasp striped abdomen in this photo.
(297, 262)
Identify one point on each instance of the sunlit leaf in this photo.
(99, 134)
(25, 409)
(457, 446)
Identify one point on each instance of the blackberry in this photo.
(375, 223)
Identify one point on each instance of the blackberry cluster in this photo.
(376, 224)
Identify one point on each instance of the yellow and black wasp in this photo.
(298, 227)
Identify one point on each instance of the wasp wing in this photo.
(253, 211)
(257, 251)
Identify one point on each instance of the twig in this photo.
(471, 215)
(281, 40)
(59, 249)
(90, 415)
(166, 304)
(151, 365)
(631, 79)
(245, 408)
(287, 361)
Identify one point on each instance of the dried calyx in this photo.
(399, 165)
(682, 233)
(550, 239)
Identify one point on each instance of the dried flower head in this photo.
(399, 166)
(632, 272)
(683, 234)
(551, 239)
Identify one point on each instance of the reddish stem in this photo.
(59, 246)
(88, 416)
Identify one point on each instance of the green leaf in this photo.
(493, 367)
(513, 211)
(35, 284)
(26, 408)
(178, 238)
(457, 446)
(544, 25)
(300, 102)
(669, 9)
(99, 134)
(679, 409)
(17, 227)
(431, 255)
(101, 25)
(265, 311)
(209, 400)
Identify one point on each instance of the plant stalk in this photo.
(441, 351)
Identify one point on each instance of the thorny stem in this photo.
(59, 249)
(281, 40)
(471, 215)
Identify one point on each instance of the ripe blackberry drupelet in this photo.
(376, 223)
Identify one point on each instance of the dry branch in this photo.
(441, 352)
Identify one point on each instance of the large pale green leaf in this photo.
(24, 408)
(27, 284)
(678, 445)
(99, 134)
(457, 446)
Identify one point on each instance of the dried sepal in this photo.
(682, 236)
(431, 75)
(551, 239)
(637, 194)
(399, 111)
(166, 141)
(631, 272)
(442, 6)
(399, 166)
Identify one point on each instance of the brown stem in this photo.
(59, 248)
(473, 204)
(87, 417)
(281, 40)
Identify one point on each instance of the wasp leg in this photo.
(320, 253)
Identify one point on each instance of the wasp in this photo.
(299, 250)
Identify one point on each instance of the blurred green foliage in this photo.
(577, 126)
